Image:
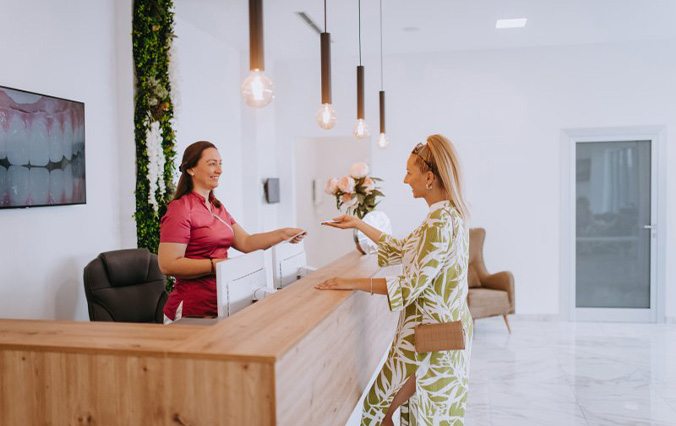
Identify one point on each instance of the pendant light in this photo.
(326, 116)
(361, 130)
(257, 88)
(382, 137)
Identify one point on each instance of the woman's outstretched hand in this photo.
(293, 235)
(335, 284)
(343, 222)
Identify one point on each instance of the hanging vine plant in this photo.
(152, 36)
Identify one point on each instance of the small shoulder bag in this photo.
(444, 336)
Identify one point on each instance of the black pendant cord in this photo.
(325, 46)
(381, 95)
(359, 15)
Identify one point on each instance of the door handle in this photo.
(649, 226)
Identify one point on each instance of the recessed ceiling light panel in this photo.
(511, 23)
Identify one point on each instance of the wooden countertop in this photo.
(91, 336)
(265, 330)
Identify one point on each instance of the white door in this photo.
(615, 230)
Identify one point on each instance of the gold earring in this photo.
(429, 186)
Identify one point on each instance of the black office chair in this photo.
(125, 286)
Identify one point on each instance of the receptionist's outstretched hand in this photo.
(293, 235)
(335, 284)
(343, 222)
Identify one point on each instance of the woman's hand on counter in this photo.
(343, 222)
(336, 284)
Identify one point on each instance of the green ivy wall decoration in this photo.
(152, 35)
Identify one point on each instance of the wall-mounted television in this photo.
(42, 150)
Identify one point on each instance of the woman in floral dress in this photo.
(432, 288)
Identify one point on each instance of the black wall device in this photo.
(271, 186)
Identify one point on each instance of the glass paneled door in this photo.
(614, 231)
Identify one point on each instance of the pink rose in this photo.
(346, 184)
(368, 185)
(359, 170)
(331, 186)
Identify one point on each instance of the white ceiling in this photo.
(443, 25)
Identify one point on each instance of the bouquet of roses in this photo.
(357, 193)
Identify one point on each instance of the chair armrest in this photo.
(501, 281)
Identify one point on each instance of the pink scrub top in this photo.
(188, 221)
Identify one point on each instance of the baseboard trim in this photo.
(556, 317)
(536, 317)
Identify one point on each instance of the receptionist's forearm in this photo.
(189, 268)
(261, 241)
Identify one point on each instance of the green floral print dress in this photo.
(431, 289)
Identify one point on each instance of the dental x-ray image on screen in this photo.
(42, 150)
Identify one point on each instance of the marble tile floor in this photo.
(549, 373)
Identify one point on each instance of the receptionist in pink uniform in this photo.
(197, 231)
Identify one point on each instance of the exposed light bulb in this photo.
(257, 89)
(361, 130)
(383, 142)
(326, 116)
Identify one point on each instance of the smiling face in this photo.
(207, 171)
(416, 178)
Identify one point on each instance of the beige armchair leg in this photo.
(504, 316)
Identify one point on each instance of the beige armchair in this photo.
(489, 294)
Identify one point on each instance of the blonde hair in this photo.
(439, 156)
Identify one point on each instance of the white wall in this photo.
(69, 50)
(125, 124)
(205, 74)
(505, 111)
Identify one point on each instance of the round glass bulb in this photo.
(326, 116)
(361, 130)
(383, 141)
(257, 89)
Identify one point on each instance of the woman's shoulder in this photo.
(179, 206)
(445, 218)
(444, 212)
(179, 202)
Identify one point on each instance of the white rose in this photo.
(348, 200)
(331, 186)
(346, 184)
(359, 170)
(368, 185)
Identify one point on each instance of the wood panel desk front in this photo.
(298, 357)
